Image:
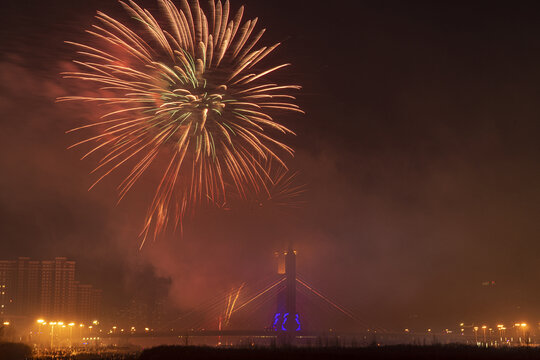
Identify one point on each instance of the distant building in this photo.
(147, 308)
(7, 277)
(88, 301)
(58, 292)
(30, 288)
(28, 285)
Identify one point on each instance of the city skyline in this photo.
(419, 154)
(45, 289)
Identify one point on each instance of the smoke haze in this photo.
(419, 150)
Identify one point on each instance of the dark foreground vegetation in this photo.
(367, 353)
(14, 351)
(436, 352)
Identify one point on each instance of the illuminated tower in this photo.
(290, 281)
(286, 317)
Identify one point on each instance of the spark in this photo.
(231, 302)
(258, 295)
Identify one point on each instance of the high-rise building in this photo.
(7, 277)
(88, 302)
(58, 292)
(64, 287)
(147, 307)
(26, 295)
(47, 283)
(30, 288)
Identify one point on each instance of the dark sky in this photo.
(419, 149)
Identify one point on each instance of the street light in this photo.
(500, 327)
(518, 326)
(525, 337)
(52, 323)
(71, 325)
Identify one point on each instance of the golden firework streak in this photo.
(188, 89)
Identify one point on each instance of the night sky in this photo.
(419, 149)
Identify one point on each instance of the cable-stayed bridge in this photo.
(214, 317)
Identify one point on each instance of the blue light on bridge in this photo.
(281, 322)
(276, 321)
(285, 318)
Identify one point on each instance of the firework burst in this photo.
(190, 89)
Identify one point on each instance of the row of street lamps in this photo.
(61, 324)
(501, 329)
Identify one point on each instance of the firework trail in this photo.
(282, 190)
(187, 89)
(231, 302)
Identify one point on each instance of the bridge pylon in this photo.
(286, 319)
